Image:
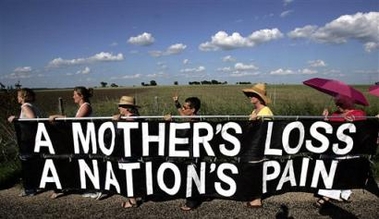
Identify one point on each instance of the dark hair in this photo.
(258, 97)
(194, 103)
(344, 102)
(84, 92)
(28, 94)
(133, 110)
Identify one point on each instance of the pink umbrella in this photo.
(334, 87)
(374, 90)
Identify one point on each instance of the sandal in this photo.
(129, 204)
(249, 205)
(185, 208)
(56, 195)
(321, 202)
(346, 200)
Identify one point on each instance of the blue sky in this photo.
(66, 43)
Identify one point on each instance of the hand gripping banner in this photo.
(163, 160)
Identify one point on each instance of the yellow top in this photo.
(265, 112)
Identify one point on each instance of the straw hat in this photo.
(258, 90)
(127, 101)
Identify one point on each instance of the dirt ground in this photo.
(289, 205)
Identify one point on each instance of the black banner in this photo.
(167, 160)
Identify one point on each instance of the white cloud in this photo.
(242, 74)
(222, 41)
(225, 69)
(193, 70)
(303, 32)
(176, 48)
(363, 27)
(23, 69)
(317, 63)
(286, 2)
(156, 75)
(185, 61)
(144, 39)
(114, 44)
(304, 71)
(86, 70)
(20, 72)
(132, 76)
(171, 50)
(282, 72)
(162, 65)
(228, 59)
(286, 13)
(242, 67)
(307, 71)
(100, 57)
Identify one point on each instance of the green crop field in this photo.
(216, 100)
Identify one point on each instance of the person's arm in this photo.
(53, 117)
(176, 101)
(178, 105)
(325, 113)
(28, 112)
(11, 118)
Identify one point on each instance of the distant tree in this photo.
(153, 83)
(103, 84)
(142, 83)
(114, 85)
(205, 82)
(176, 83)
(194, 83)
(243, 82)
(214, 82)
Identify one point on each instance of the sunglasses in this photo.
(184, 107)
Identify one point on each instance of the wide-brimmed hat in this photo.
(127, 101)
(259, 90)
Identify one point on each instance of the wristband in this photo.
(177, 105)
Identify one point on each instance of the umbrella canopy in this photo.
(374, 90)
(334, 87)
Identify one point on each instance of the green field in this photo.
(287, 100)
(216, 100)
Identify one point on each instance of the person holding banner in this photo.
(190, 108)
(345, 113)
(26, 98)
(81, 96)
(127, 108)
(258, 97)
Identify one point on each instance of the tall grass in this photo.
(9, 163)
(216, 100)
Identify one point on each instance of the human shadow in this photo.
(283, 213)
(335, 212)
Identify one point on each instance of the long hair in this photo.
(84, 92)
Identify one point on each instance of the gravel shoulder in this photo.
(289, 205)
